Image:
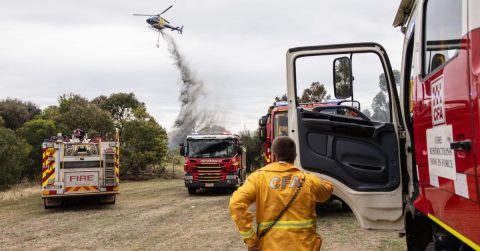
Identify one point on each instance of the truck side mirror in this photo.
(240, 150)
(182, 149)
(262, 133)
(342, 78)
(262, 130)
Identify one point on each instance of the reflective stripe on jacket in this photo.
(271, 188)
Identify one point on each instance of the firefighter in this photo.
(285, 200)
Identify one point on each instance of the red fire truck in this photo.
(216, 160)
(275, 123)
(408, 161)
(79, 167)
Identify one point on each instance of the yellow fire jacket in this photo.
(271, 188)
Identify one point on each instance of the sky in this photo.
(237, 48)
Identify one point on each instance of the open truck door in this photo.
(355, 144)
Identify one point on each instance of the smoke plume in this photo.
(193, 116)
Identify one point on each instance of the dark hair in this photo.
(284, 149)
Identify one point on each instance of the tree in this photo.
(121, 106)
(144, 144)
(16, 112)
(65, 102)
(76, 112)
(382, 81)
(315, 93)
(380, 106)
(34, 132)
(49, 113)
(380, 103)
(281, 98)
(253, 144)
(13, 155)
(99, 101)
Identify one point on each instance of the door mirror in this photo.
(240, 149)
(262, 130)
(262, 133)
(263, 120)
(342, 78)
(182, 149)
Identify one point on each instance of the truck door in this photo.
(443, 123)
(354, 143)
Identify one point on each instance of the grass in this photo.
(154, 215)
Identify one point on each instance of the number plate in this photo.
(208, 184)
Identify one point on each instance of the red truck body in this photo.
(213, 161)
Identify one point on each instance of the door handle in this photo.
(463, 145)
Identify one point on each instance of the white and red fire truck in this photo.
(214, 160)
(407, 161)
(79, 167)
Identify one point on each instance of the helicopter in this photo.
(158, 23)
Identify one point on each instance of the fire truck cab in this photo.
(215, 160)
(275, 123)
(409, 160)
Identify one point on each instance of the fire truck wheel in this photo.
(51, 203)
(192, 190)
(108, 199)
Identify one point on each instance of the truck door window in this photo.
(280, 124)
(409, 77)
(369, 83)
(443, 32)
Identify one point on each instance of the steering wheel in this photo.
(337, 107)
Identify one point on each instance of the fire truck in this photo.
(409, 160)
(79, 167)
(216, 160)
(271, 125)
(275, 124)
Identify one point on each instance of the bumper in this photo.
(222, 184)
(78, 194)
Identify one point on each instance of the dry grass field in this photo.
(155, 215)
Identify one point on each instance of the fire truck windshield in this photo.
(210, 148)
(280, 124)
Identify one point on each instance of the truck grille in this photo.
(209, 172)
(82, 164)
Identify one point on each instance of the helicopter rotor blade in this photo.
(143, 15)
(166, 10)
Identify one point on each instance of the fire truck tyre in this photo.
(192, 190)
(108, 199)
(51, 203)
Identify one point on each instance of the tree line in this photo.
(24, 126)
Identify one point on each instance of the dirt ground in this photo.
(155, 215)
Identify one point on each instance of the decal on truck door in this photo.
(441, 158)
(438, 102)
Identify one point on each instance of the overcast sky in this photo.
(92, 48)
